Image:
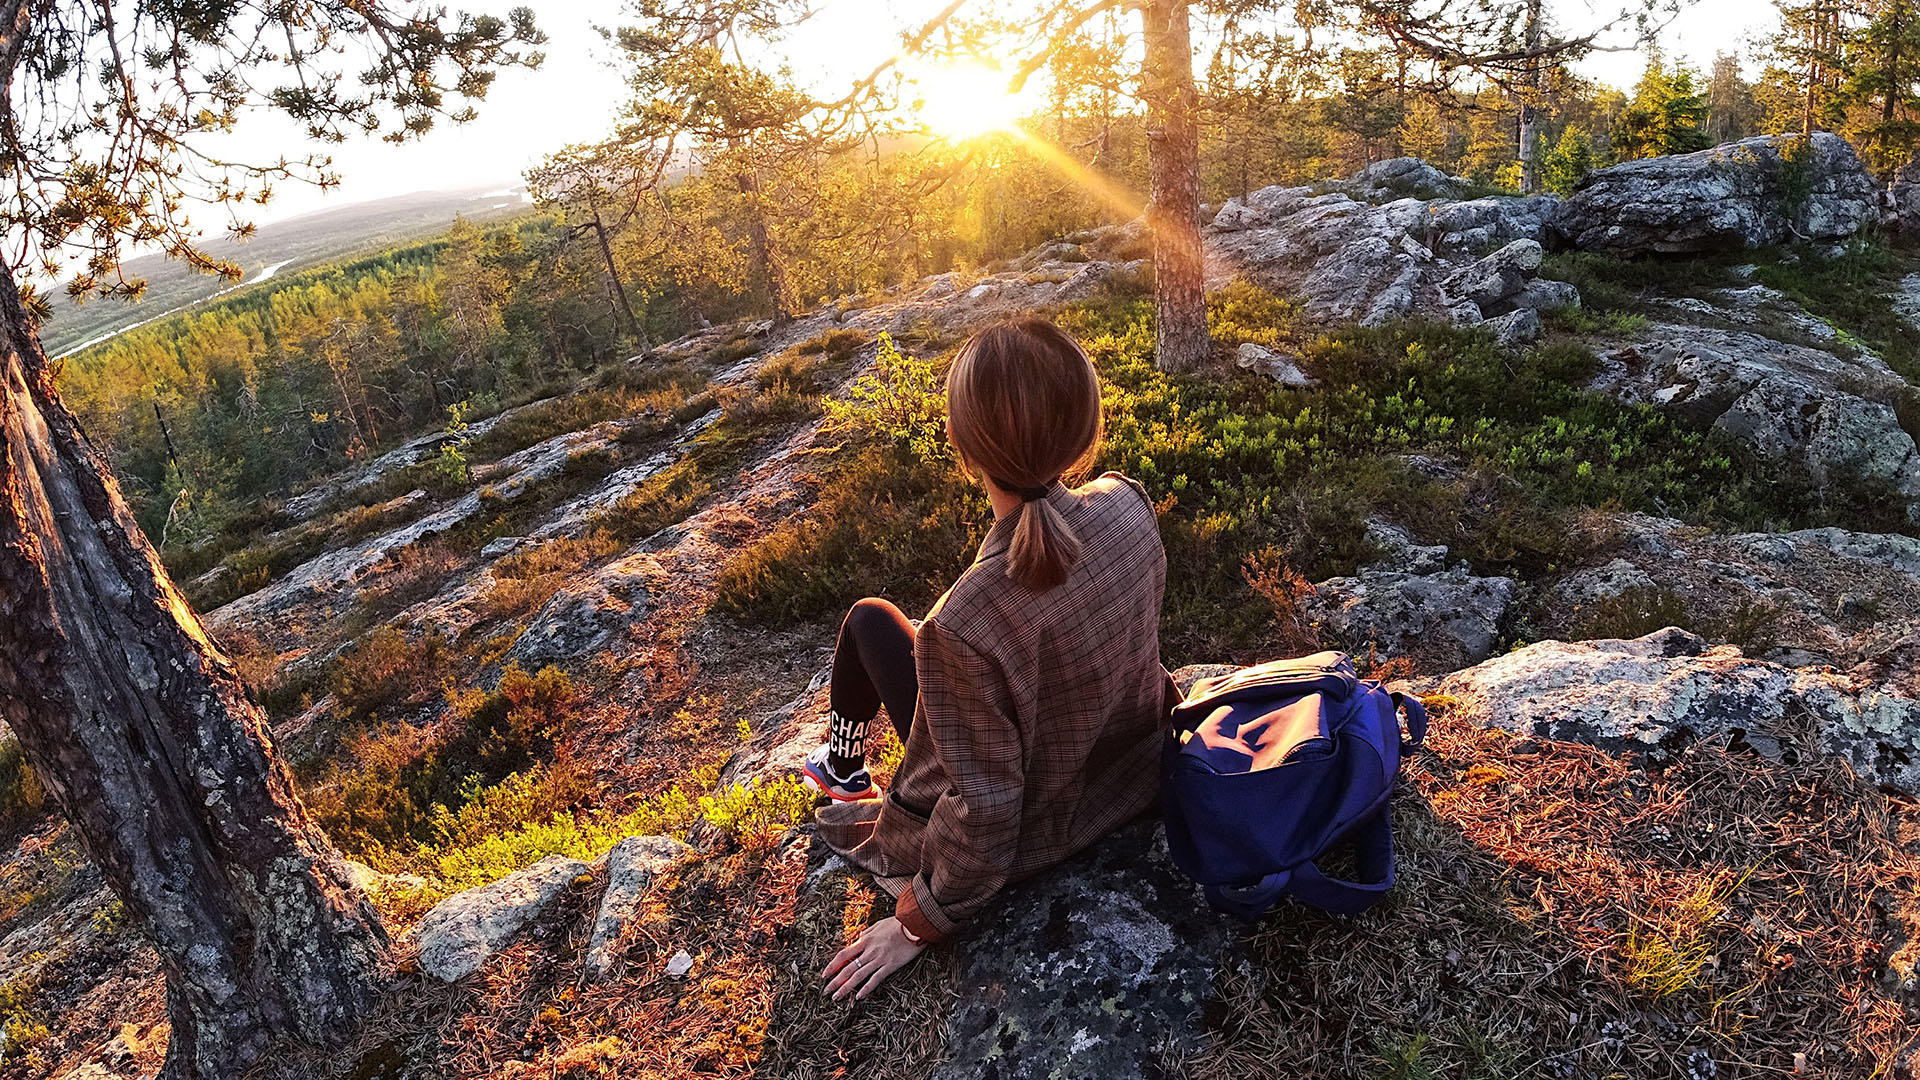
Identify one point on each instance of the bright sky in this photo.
(574, 97)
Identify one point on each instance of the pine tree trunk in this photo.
(620, 290)
(1529, 118)
(150, 744)
(768, 267)
(1173, 165)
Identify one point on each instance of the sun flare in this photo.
(965, 101)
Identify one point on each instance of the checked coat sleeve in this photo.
(973, 830)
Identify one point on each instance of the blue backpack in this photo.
(1269, 767)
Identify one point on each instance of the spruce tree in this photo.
(1668, 114)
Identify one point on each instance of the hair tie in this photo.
(1027, 494)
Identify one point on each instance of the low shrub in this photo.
(1637, 612)
(663, 499)
(1611, 283)
(756, 813)
(766, 405)
(836, 345)
(903, 400)
(22, 799)
(1752, 625)
(1431, 426)
(663, 388)
(1242, 312)
(885, 523)
(396, 789)
(1853, 290)
(528, 578)
(388, 670)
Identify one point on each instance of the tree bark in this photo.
(152, 747)
(1529, 119)
(1173, 165)
(620, 289)
(770, 269)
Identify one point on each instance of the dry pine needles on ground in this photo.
(1564, 912)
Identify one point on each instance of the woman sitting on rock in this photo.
(1031, 700)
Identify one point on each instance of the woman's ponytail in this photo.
(1023, 407)
(1044, 548)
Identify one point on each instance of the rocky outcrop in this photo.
(1402, 178)
(463, 930)
(586, 614)
(1806, 598)
(1906, 300)
(1746, 194)
(631, 865)
(1442, 620)
(358, 478)
(1668, 689)
(1493, 282)
(1350, 259)
(1096, 970)
(344, 569)
(1829, 413)
(1282, 369)
(1900, 208)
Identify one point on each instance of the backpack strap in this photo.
(1416, 718)
(1373, 855)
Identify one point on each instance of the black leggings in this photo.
(873, 666)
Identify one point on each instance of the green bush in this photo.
(754, 813)
(1242, 466)
(1611, 283)
(400, 785)
(904, 400)
(1853, 290)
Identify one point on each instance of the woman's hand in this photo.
(881, 950)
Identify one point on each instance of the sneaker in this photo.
(820, 776)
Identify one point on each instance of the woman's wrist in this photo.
(912, 938)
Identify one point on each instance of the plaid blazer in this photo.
(1040, 718)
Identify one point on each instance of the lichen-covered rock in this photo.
(1546, 294)
(1185, 677)
(1096, 970)
(1829, 413)
(631, 866)
(1445, 619)
(1518, 327)
(1594, 584)
(1492, 282)
(1746, 194)
(463, 930)
(1669, 689)
(337, 574)
(1906, 300)
(412, 452)
(1815, 596)
(1400, 551)
(583, 617)
(1900, 211)
(1281, 369)
(1402, 177)
(1350, 259)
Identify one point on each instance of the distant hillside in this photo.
(276, 248)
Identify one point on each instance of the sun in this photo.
(965, 101)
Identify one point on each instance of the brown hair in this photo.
(1023, 407)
